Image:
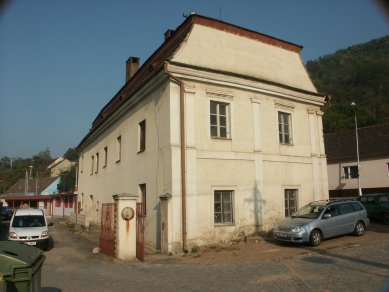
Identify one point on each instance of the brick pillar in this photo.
(126, 226)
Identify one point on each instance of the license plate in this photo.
(31, 242)
(282, 234)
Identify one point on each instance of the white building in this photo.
(374, 161)
(225, 120)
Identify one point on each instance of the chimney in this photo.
(132, 65)
(168, 33)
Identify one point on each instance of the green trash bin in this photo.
(20, 267)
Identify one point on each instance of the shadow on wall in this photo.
(258, 203)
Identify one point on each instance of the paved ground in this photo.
(342, 264)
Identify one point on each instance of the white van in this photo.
(30, 227)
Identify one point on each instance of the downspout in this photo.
(183, 156)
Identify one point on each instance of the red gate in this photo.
(107, 239)
(140, 231)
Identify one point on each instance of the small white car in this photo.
(30, 226)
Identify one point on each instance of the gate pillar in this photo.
(125, 226)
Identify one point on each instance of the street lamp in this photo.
(356, 138)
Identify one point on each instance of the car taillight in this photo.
(44, 234)
(13, 235)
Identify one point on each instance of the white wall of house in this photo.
(151, 167)
(373, 174)
(250, 162)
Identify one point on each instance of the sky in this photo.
(62, 61)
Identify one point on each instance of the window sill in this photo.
(223, 224)
(221, 138)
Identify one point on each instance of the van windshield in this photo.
(309, 211)
(29, 221)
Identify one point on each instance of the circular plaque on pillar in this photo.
(128, 213)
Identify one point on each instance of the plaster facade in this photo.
(247, 162)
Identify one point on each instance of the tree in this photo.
(71, 154)
(68, 180)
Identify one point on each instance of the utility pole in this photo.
(356, 138)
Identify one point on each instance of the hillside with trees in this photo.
(357, 74)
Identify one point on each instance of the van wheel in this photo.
(315, 238)
(359, 229)
(385, 218)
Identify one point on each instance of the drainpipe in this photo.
(183, 156)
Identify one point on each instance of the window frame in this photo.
(118, 148)
(97, 162)
(281, 127)
(105, 156)
(218, 116)
(287, 210)
(92, 164)
(142, 136)
(223, 221)
(349, 173)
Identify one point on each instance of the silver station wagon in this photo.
(323, 219)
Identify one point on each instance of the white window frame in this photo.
(282, 134)
(105, 157)
(232, 203)
(218, 116)
(142, 134)
(118, 148)
(92, 164)
(347, 171)
(97, 162)
(287, 210)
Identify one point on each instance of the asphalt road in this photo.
(71, 266)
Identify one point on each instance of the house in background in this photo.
(342, 161)
(221, 121)
(59, 165)
(40, 193)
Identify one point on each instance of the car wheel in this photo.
(385, 218)
(359, 229)
(315, 238)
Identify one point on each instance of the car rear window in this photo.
(29, 221)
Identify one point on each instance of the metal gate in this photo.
(108, 226)
(140, 231)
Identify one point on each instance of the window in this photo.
(82, 164)
(284, 128)
(290, 202)
(92, 164)
(357, 206)
(142, 190)
(223, 207)
(105, 156)
(219, 119)
(97, 163)
(118, 148)
(350, 172)
(142, 136)
(383, 199)
(345, 209)
(332, 210)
